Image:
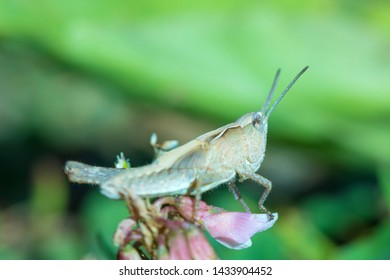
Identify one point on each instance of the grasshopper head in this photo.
(260, 119)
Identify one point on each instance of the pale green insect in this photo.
(217, 157)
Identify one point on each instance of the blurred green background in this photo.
(85, 80)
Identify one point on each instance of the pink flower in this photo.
(184, 242)
(168, 229)
(235, 229)
(157, 231)
(232, 229)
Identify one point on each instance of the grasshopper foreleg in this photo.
(266, 184)
(233, 188)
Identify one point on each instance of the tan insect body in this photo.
(212, 159)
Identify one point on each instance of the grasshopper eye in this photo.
(256, 120)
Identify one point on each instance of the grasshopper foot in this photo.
(270, 215)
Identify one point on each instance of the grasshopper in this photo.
(212, 159)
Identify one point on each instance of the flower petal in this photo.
(128, 253)
(178, 246)
(186, 208)
(199, 245)
(123, 232)
(234, 229)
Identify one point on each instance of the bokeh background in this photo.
(86, 80)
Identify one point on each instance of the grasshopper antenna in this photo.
(271, 92)
(284, 92)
